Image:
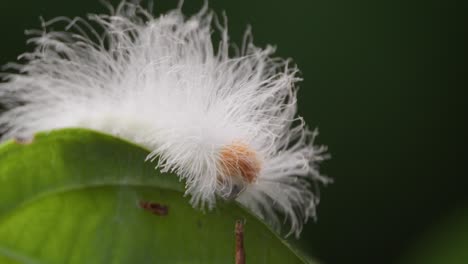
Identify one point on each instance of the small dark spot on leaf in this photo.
(155, 208)
(24, 140)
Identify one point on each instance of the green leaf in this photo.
(73, 196)
(445, 243)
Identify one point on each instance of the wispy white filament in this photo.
(163, 83)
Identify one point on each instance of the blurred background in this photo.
(385, 83)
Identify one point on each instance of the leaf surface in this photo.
(73, 196)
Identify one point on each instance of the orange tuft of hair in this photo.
(239, 160)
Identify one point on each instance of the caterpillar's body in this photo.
(225, 124)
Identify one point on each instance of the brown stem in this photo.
(240, 253)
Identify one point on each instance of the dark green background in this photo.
(383, 80)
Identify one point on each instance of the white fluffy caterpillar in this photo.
(225, 124)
